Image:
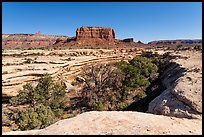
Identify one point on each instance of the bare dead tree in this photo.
(101, 82)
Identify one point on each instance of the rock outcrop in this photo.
(85, 33)
(128, 40)
(183, 94)
(96, 37)
(119, 123)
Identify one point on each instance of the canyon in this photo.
(177, 110)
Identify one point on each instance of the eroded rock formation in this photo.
(183, 94)
(95, 33)
(128, 40)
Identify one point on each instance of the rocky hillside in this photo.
(29, 40)
(177, 42)
(179, 107)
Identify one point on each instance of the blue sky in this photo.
(145, 21)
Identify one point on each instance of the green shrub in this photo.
(137, 72)
(46, 102)
(98, 106)
(141, 95)
(121, 105)
(34, 118)
(74, 83)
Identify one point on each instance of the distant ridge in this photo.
(177, 41)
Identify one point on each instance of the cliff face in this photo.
(183, 94)
(86, 33)
(29, 40)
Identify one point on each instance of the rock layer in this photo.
(183, 94)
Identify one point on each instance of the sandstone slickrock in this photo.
(183, 96)
(118, 123)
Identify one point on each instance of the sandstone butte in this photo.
(177, 111)
(95, 33)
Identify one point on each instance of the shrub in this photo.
(179, 47)
(74, 83)
(102, 83)
(98, 106)
(34, 118)
(28, 61)
(46, 102)
(121, 105)
(198, 47)
(137, 72)
(141, 95)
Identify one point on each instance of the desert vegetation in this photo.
(114, 86)
(97, 80)
(44, 104)
(108, 86)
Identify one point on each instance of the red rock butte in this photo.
(95, 33)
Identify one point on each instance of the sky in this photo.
(144, 21)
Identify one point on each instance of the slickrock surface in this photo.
(118, 123)
(183, 96)
(182, 99)
(61, 64)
